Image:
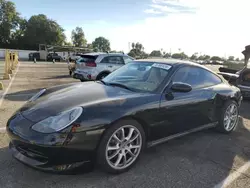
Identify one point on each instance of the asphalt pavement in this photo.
(205, 159)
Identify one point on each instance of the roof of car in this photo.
(103, 53)
(94, 53)
(173, 62)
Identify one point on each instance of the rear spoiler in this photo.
(229, 75)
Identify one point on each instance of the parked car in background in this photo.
(54, 56)
(34, 55)
(96, 66)
(110, 122)
(241, 79)
(74, 57)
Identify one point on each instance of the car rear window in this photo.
(88, 58)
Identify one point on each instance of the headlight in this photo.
(58, 122)
(36, 96)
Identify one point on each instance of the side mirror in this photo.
(181, 87)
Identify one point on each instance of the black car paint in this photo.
(53, 56)
(161, 113)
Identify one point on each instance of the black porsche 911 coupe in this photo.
(110, 122)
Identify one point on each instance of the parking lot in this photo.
(203, 159)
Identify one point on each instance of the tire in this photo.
(223, 123)
(125, 148)
(102, 75)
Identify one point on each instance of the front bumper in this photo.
(55, 152)
(37, 160)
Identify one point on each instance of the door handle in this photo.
(110, 66)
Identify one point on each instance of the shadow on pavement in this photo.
(22, 95)
(202, 159)
(57, 77)
(245, 109)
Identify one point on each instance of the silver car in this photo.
(96, 66)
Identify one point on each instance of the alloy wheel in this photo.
(123, 147)
(230, 117)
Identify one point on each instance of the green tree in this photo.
(181, 55)
(204, 57)
(90, 46)
(137, 51)
(194, 57)
(17, 36)
(41, 30)
(231, 58)
(167, 55)
(101, 44)
(78, 37)
(9, 22)
(156, 53)
(115, 51)
(216, 58)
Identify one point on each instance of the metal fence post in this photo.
(15, 59)
(7, 70)
(1, 86)
(12, 67)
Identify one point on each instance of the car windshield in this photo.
(139, 76)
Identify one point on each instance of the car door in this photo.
(183, 111)
(111, 63)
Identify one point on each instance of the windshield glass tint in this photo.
(141, 76)
(86, 58)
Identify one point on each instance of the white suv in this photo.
(74, 57)
(95, 66)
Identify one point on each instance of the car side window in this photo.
(127, 59)
(113, 60)
(81, 60)
(196, 77)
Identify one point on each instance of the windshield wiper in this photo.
(120, 85)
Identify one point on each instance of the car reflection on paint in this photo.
(109, 122)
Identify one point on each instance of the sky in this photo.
(214, 27)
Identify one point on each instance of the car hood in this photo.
(61, 98)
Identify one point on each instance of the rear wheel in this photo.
(229, 117)
(102, 75)
(121, 146)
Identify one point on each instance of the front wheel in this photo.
(229, 117)
(121, 146)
